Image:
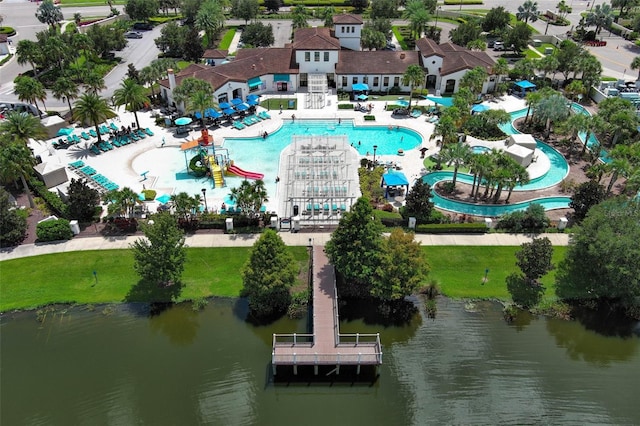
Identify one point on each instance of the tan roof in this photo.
(3, 38)
(376, 62)
(346, 18)
(428, 47)
(318, 38)
(249, 63)
(215, 54)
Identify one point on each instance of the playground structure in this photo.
(212, 162)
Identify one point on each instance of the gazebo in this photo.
(360, 89)
(393, 178)
(523, 87)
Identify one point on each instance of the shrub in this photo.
(149, 194)
(54, 230)
(54, 202)
(345, 106)
(452, 228)
(369, 118)
(533, 220)
(13, 222)
(9, 31)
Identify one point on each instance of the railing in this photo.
(292, 339)
(331, 358)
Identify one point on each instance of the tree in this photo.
(418, 202)
(94, 82)
(417, 16)
(447, 129)
(518, 38)
(48, 13)
(210, 19)
(249, 197)
(355, 248)
(65, 88)
(82, 200)
(245, 9)
(13, 224)
(635, 65)
(495, 20)
(456, 153)
(585, 196)
(268, 275)
(29, 90)
(466, 32)
(403, 267)
(413, 77)
(16, 162)
(372, 39)
(171, 40)
(192, 48)
(385, 9)
(624, 5)
(122, 202)
(141, 10)
(106, 38)
(132, 96)
(548, 64)
(159, 257)
(258, 34)
(20, 127)
(327, 16)
(155, 71)
(552, 109)
(189, 87)
(185, 205)
(92, 109)
(200, 101)
(274, 5)
(528, 11)
(28, 51)
(299, 17)
(601, 260)
(359, 4)
(474, 80)
(601, 16)
(534, 261)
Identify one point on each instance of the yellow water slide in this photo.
(216, 172)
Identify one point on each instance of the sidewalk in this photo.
(247, 240)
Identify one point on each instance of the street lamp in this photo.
(437, 10)
(375, 147)
(460, 5)
(204, 196)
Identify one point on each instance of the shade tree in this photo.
(534, 261)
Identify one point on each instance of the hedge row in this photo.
(465, 2)
(54, 202)
(452, 228)
(54, 230)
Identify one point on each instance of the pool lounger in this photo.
(148, 131)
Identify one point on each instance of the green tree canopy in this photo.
(495, 20)
(141, 9)
(384, 9)
(249, 196)
(585, 196)
(82, 200)
(257, 34)
(13, 224)
(245, 9)
(92, 109)
(418, 203)
(534, 261)
(132, 95)
(48, 13)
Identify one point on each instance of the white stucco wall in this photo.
(314, 66)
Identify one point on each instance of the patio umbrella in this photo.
(164, 199)
(479, 108)
(252, 101)
(65, 131)
(183, 121)
(242, 107)
(224, 105)
(362, 97)
(210, 112)
(402, 103)
(228, 111)
(236, 101)
(253, 97)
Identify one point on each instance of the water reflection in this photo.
(180, 324)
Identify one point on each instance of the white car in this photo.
(498, 45)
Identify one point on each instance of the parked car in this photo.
(142, 26)
(390, 46)
(133, 34)
(498, 45)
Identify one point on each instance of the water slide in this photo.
(242, 173)
(216, 172)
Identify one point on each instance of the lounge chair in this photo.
(94, 149)
(85, 136)
(264, 115)
(76, 164)
(104, 130)
(238, 125)
(113, 127)
(247, 121)
(416, 113)
(148, 131)
(141, 134)
(93, 133)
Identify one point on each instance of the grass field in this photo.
(37, 281)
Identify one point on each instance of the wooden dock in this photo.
(326, 346)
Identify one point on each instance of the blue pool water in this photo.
(388, 139)
(480, 149)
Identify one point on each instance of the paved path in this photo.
(243, 240)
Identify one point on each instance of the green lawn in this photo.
(459, 270)
(88, 2)
(41, 280)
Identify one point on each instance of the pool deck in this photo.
(117, 165)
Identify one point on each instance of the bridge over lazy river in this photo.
(326, 346)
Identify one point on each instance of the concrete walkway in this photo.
(247, 240)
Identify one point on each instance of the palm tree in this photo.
(327, 16)
(458, 154)
(210, 19)
(528, 11)
(548, 64)
(474, 80)
(299, 17)
(413, 77)
(482, 165)
(121, 202)
(20, 127)
(132, 96)
(199, 102)
(30, 90)
(188, 87)
(532, 99)
(447, 129)
(575, 124)
(418, 17)
(595, 124)
(601, 16)
(620, 163)
(635, 65)
(16, 162)
(184, 204)
(249, 197)
(63, 88)
(518, 176)
(552, 109)
(155, 71)
(94, 82)
(496, 117)
(93, 109)
(28, 51)
(622, 124)
(500, 68)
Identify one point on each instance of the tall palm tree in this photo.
(249, 197)
(552, 109)
(16, 162)
(29, 51)
(474, 80)
(518, 176)
(635, 65)
(595, 124)
(601, 16)
(621, 125)
(327, 16)
(528, 11)
(210, 19)
(458, 154)
(482, 166)
(299, 17)
(418, 17)
(620, 163)
(184, 204)
(20, 127)
(200, 101)
(132, 96)
(413, 77)
(447, 129)
(93, 109)
(531, 99)
(575, 124)
(30, 90)
(65, 87)
(500, 68)
(94, 82)
(121, 202)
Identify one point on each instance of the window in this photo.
(376, 80)
(355, 80)
(348, 29)
(344, 81)
(326, 56)
(365, 80)
(396, 81)
(386, 81)
(353, 29)
(307, 56)
(316, 56)
(342, 28)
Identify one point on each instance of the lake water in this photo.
(180, 367)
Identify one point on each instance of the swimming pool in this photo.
(478, 149)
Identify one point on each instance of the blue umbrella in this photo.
(402, 102)
(253, 97)
(210, 112)
(224, 105)
(252, 101)
(198, 115)
(236, 101)
(479, 108)
(65, 131)
(183, 121)
(164, 199)
(229, 111)
(242, 107)
(362, 97)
